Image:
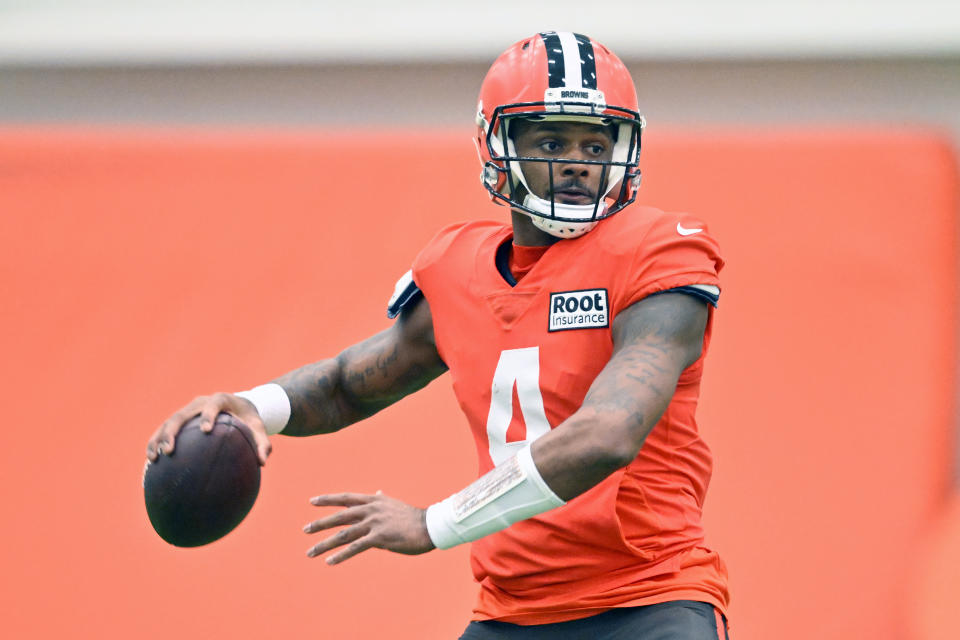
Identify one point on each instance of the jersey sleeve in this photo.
(678, 253)
(405, 294)
(407, 291)
(705, 292)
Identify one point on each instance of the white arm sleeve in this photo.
(511, 492)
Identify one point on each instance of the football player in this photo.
(575, 338)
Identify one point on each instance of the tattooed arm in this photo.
(654, 340)
(365, 378)
(330, 394)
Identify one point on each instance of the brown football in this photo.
(207, 486)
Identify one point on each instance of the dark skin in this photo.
(654, 341)
(573, 183)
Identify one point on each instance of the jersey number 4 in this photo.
(516, 404)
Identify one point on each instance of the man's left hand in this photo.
(372, 522)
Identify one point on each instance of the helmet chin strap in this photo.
(558, 227)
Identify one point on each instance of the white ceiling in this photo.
(214, 31)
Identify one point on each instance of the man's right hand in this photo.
(208, 407)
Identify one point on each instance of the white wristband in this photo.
(511, 492)
(272, 404)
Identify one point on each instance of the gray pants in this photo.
(678, 620)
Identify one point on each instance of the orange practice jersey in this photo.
(522, 359)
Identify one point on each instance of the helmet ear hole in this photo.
(491, 175)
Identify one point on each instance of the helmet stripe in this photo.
(570, 61)
(588, 65)
(555, 64)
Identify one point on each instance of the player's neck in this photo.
(525, 234)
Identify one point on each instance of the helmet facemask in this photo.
(504, 177)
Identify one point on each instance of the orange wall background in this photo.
(142, 267)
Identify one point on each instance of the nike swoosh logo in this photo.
(686, 232)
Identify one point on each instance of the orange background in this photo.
(140, 268)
